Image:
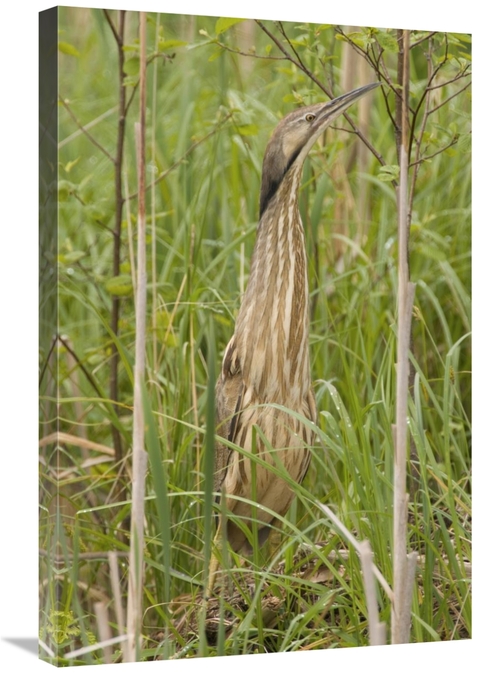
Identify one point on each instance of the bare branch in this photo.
(460, 75)
(423, 39)
(302, 66)
(87, 374)
(192, 147)
(92, 123)
(291, 59)
(311, 76)
(457, 93)
(365, 140)
(152, 58)
(84, 130)
(421, 160)
(118, 36)
(245, 53)
(364, 54)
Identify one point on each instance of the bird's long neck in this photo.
(272, 329)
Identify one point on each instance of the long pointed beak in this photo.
(336, 106)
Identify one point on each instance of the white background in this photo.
(19, 311)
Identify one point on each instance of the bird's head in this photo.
(295, 135)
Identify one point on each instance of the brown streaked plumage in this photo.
(266, 361)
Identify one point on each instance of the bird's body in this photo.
(265, 379)
(267, 362)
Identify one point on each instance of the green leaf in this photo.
(360, 39)
(388, 173)
(299, 42)
(65, 189)
(431, 253)
(216, 54)
(165, 45)
(464, 143)
(224, 24)
(462, 37)
(248, 129)
(71, 257)
(130, 81)
(67, 48)
(388, 42)
(293, 98)
(131, 66)
(119, 286)
(98, 213)
(70, 164)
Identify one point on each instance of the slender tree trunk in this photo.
(115, 310)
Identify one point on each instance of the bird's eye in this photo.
(310, 117)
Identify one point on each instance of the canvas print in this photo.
(255, 336)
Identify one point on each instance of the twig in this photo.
(297, 56)
(344, 554)
(361, 52)
(246, 53)
(84, 555)
(135, 87)
(298, 63)
(423, 39)
(418, 141)
(192, 147)
(365, 140)
(87, 374)
(447, 100)
(458, 76)
(118, 36)
(291, 59)
(84, 130)
(94, 647)
(82, 442)
(47, 360)
(427, 157)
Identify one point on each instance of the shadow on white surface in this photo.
(27, 644)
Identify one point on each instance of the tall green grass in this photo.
(205, 219)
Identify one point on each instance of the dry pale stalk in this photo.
(139, 456)
(352, 540)
(101, 613)
(376, 629)
(115, 586)
(403, 574)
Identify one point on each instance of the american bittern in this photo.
(266, 362)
